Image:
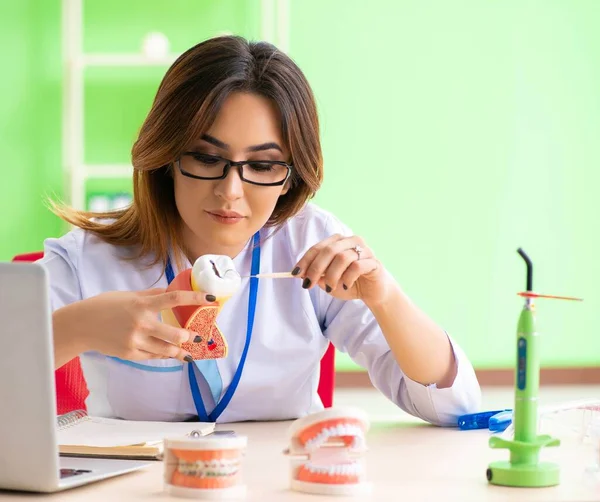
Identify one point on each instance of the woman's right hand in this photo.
(124, 324)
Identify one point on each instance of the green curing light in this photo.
(524, 469)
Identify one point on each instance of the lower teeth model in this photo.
(326, 451)
(211, 274)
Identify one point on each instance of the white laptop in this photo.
(29, 458)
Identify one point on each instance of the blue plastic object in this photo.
(501, 421)
(479, 420)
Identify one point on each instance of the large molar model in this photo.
(215, 275)
(326, 450)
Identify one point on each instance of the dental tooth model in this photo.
(216, 275)
(326, 452)
(211, 274)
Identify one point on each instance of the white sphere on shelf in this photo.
(155, 45)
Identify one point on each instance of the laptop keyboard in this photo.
(67, 473)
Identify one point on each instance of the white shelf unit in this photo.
(274, 28)
(75, 62)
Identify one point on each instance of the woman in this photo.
(225, 163)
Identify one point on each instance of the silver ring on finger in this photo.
(358, 250)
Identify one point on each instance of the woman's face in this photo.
(220, 216)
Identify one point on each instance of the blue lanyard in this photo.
(222, 404)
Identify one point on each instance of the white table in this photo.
(407, 461)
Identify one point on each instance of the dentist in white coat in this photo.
(225, 163)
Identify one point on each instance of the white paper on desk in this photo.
(107, 432)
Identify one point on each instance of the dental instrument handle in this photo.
(272, 275)
(529, 294)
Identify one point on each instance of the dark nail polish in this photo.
(197, 339)
(189, 359)
(211, 298)
(327, 288)
(306, 283)
(345, 287)
(296, 271)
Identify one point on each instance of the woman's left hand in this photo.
(346, 268)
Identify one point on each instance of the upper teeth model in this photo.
(215, 275)
(326, 449)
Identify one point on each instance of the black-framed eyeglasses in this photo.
(202, 166)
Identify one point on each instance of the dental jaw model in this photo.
(326, 450)
(211, 274)
(207, 467)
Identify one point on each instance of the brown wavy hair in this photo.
(186, 103)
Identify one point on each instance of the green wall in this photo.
(453, 132)
(30, 113)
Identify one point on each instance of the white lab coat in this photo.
(291, 331)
